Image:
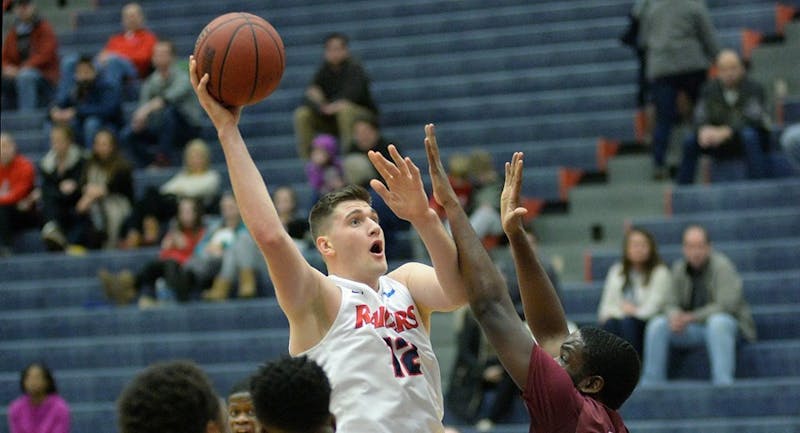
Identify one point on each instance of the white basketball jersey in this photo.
(379, 360)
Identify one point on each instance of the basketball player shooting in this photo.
(367, 329)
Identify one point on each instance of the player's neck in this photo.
(354, 275)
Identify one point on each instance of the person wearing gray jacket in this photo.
(680, 45)
(705, 307)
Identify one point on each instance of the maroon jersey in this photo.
(556, 406)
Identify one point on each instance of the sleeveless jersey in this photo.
(378, 357)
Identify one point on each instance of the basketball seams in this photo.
(255, 53)
(208, 30)
(231, 40)
(230, 45)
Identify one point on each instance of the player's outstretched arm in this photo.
(296, 282)
(437, 289)
(486, 291)
(543, 309)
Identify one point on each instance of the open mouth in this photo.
(376, 248)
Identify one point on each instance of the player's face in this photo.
(241, 414)
(570, 357)
(358, 238)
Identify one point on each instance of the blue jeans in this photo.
(664, 93)
(719, 334)
(631, 329)
(751, 140)
(165, 134)
(28, 91)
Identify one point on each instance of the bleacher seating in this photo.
(546, 77)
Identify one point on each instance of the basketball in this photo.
(243, 56)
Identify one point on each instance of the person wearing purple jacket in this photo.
(40, 409)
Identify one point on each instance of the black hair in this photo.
(292, 394)
(337, 35)
(239, 387)
(48, 376)
(174, 396)
(324, 207)
(615, 360)
(85, 59)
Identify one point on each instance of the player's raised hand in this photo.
(511, 212)
(220, 115)
(442, 190)
(403, 192)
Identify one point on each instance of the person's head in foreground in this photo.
(601, 365)
(172, 396)
(241, 411)
(292, 395)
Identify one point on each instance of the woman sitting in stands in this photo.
(635, 289)
(40, 409)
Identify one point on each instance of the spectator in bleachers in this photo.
(61, 170)
(485, 213)
(40, 409)
(459, 175)
(635, 289)
(197, 180)
(680, 43)
(206, 261)
(125, 59)
(338, 94)
(241, 411)
(243, 262)
(133, 45)
(293, 395)
(168, 114)
(323, 169)
(705, 307)
(367, 136)
(30, 60)
(89, 105)
(177, 248)
(174, 396)
(18, 195)
(107, 189)
(731, 119)
(790, 142)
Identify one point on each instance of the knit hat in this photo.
(326, 142)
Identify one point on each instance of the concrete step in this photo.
(568, 257)
(645, 198)
(630, 169)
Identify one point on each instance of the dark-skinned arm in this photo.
(486, 291)
(543, 309)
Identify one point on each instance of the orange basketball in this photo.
(243, 56)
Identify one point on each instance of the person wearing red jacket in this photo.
(135, 43)
(125, 59)
(17, 196)
(30, 60)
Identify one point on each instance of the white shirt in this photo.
(379, 360)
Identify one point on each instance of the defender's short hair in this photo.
(292, 394)
(615, 360)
